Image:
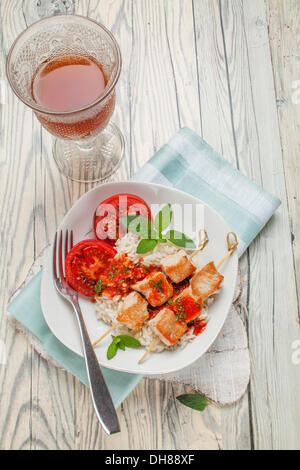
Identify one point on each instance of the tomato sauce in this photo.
(199, 326)
(153, 311)
(178, 288)
(119, 275)
(186, 309)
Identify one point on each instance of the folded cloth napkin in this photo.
(188, 163)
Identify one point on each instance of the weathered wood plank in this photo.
(273, 317)
(284, 36)
(17, 178)
(218, 129)
(24, 202)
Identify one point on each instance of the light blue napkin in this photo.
(188, 163)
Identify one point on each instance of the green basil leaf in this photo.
(180, 239)
(145, 246)
(127, 220)
(116, 340)
(139, 225)
(112, 350)
(129, 341)
(194, 401)
(121, 345)
(163, 218)
(120, 342)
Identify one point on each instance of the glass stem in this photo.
(86, 144)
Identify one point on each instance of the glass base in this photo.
(89, 162)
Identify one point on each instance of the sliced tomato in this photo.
(84, 264)
(108, 213)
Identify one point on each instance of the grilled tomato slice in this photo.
(85, 263)
(108, 213)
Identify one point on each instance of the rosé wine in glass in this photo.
(66, 69)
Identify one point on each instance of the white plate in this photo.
(59, 315)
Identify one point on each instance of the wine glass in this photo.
(89, 147)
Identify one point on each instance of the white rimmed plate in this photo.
(59, 315)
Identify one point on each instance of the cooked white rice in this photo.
(107, 308)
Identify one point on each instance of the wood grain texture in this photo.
(225, 68)
(284, 36)
(274, 425)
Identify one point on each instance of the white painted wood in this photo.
(273, 313)
(205, 64)
(217, 129)
(284, 35)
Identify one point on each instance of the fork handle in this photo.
(101, 398)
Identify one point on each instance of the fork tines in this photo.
(64, 245)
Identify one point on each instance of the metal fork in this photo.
(101, 398)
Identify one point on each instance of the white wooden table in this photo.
(229, 69)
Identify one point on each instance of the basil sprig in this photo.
(146, 245)
(195, 401)
(163, 218)
(139, 225)
(152, 234)
(120, 342)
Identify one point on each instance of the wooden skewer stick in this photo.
(203, 241)
(112, 328)
(151, 347)
(231, 248)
